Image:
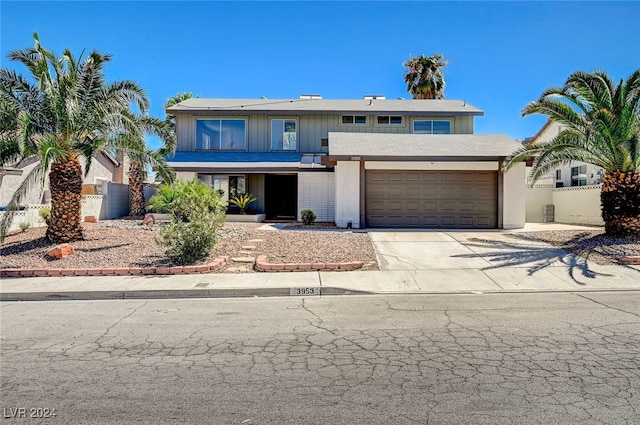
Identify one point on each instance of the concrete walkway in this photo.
(410, 262)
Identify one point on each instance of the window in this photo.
(354, 119)
(579, 176)
(236, 185)
(283, 135)
(386, 119)
(431, 127)
(221, 134)
(558, 174)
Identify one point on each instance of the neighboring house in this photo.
(104, 167)
(368, 162)
(574, 174)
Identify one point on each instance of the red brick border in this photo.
(630, 259)
(217, 264)
(262, 265)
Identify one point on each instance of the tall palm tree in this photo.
(138, 163)
(172, 101)
(423, 76)
(601, 121)
(65, 111)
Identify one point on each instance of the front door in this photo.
(281, 196)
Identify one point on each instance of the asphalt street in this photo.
(540, 358)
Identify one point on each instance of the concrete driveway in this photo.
(491, 260)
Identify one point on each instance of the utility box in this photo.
(549, 213)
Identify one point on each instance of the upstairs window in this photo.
(283, 135)
(389, 119)
(579, 176)
(221, 134)
(354, 119)
(431, 127)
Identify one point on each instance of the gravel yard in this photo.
(594, 245)
(126, 243)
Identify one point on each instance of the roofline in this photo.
(225, 112)
(330, 159)
(543, 128)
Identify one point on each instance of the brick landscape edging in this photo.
(217, 264)
(262, 265)
(630, 259)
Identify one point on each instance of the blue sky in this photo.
(501, 55)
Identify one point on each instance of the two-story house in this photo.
(368, 162)
(575, 173)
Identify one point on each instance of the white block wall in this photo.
(316, 192)
(573, 205)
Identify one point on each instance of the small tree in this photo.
(197, 215)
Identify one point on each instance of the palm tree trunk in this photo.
(620, 202)
(65, 183)
(136, 188)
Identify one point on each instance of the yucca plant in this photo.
(242, 200)
(601, 121)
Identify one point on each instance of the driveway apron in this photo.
(492, 260)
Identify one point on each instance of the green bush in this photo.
(308, 217)
(24, 226)
(197, 214)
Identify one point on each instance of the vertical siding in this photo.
(185, 126)
(311, 130)
(255, 185)
(316, 192)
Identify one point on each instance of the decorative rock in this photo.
(255, 240)
(248, 247)
(60, 251)
(90, 219)
(148, 220)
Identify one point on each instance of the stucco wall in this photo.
(573, 205)
(91, 205)
(102, 169)
(537, 198)
(347, 183)
(514, 197)
(578, 205)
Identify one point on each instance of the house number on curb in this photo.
(304, 291)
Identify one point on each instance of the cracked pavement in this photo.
(560, 358)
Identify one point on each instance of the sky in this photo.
(502, 55)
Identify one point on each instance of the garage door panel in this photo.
(431, 199)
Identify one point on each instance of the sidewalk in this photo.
(552, 277)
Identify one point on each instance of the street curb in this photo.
(167, 294)
(251, 293)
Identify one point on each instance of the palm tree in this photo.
(601, 121)
(139, 161)
(423, 76)
(172, 101)
(64, 112)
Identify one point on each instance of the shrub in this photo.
(24, 226)
(45, 213)
(197, 214)
(308, 217)
(242, 200)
